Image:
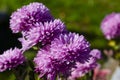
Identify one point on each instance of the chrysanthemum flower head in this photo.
(111, 26)
(11, 59)
(27, 16)
(43, 33)
(48, 65)
(75, 46)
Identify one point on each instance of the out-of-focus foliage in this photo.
(82, 16)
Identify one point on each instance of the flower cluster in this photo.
(111, 26)
(11, 59)
(62, 54)
(60, 51)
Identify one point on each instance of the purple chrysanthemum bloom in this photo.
(73, 45)
(11, 59)
(61, 55)
(111, 26)
(27, 16)
(45, 64)
(43, 33)
(81, 69)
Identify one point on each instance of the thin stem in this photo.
(20, 72)
(38, 78)
(18, 76)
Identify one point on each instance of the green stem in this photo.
(20, 72)
(18, 75)
(38, 78)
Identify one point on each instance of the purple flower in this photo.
(61, 55)
(48, 65)
(45, 64)
(73, 46)
(43, 33)
(11, 59)
(111, 26)
(27, 16)
(96, 54)
(81, 69)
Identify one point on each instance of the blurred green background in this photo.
(81, 16)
